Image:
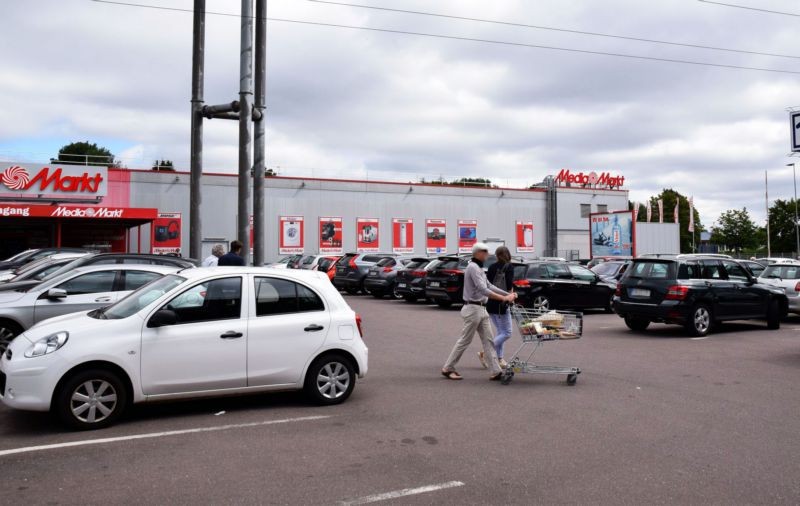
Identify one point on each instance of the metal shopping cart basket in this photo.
(537, 327)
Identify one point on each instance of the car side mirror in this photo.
(163, 318)
(56, 293)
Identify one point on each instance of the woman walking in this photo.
(501, 275)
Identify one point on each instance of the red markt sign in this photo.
(85, 212)
(594, 179)
(72, 180)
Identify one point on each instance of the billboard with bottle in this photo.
(612, 234)
(402, 235)
(524, 232)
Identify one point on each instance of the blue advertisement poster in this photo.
(612, 234)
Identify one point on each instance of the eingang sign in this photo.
(603, 179)
(65, 180)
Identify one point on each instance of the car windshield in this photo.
(782, 272)
(606, 269)
(138, 299)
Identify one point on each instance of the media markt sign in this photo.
(62, 180)
(603, 179)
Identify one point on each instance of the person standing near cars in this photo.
(216, 252)
(477, 292)
(233, 257)
(501, 274)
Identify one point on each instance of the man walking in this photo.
(213, 259)
(233, 257)
(477, 291)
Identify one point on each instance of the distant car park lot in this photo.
(656, 417)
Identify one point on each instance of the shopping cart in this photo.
(536, 327)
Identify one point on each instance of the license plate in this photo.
(434, 284)
(340, 269)
(401, 285)
(373, 273)
(639, 293)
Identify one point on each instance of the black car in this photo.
(445, 282)
(696, 292)
(559, 285)
(352, 269)
(381, 278)
(412, 278)
(102, 259)
(30, 255)
(611, 270)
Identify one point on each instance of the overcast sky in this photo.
(356, 103)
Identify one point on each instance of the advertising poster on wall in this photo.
(291, 240)
(524, 237)
(436, 236)
(367, 235)
(166, 237)
(402, 235)
(467, 235)
(330, 235)
(612, 234)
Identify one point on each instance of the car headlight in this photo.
(47, 345)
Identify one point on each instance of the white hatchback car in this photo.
(199, 332)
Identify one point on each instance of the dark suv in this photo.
(696, 292)
(411, 279)
(352, 269)
(556, 285)
(444, 283)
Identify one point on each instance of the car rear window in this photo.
(372, 258)
(782, 272)
(651, 270)
(415, 264)
(345, 259)
(520, 271)
(450, 263)
(554, 271)
(386, 262)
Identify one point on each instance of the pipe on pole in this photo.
(259, 137)
(196, 149)
(245, 127)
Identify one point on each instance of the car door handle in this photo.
(103, 299)
(231, 335)
(314, 328)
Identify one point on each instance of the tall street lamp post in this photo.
(796, 223)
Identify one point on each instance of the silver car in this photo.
(786, 276)
(81, 289)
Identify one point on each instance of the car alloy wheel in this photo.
(93, 401)
(333, 380)
(6, 336)
(702, 320)
(541, 303)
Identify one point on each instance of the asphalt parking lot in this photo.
(655, 418)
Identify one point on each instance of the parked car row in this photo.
(87, 342)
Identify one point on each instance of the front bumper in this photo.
(30, 382)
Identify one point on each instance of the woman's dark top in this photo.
(493, 306)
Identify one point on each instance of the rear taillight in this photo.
(618, 290)
(419, 274)
(352, 263)
(522, 283)
(797, 287)
(358, 324)
(677, 292)
(387, 269)
(450, 272)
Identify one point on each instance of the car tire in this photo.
(410, 298)
(91, 399)
(700, 322)
(444, 304)
(541, 303)
(610, 307)
(637, 324)
(325, 378)
(774, 315)
(8, 331)
(377, 295)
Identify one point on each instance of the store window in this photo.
(586, 210)
(602, 208)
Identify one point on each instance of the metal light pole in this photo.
(245, 127)
(796, 223)
(196, 150)
(766, 202)
(259, 141)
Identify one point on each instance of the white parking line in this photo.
(150, 435)
(401, 493)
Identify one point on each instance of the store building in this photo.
(135, 210)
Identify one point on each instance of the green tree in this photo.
(163, 165)
(85, 153)
(474, 181)
(670, 197)
(736, 230)
(782, 226)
